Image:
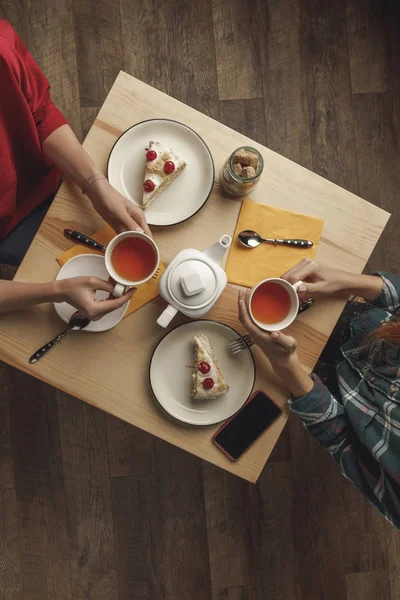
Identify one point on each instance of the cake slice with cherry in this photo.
(163, 165)
(207, 380)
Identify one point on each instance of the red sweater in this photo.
(27, 117)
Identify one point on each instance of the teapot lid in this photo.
(192, 283)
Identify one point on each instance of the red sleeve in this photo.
(33, 84)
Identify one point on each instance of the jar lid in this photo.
(192, 283)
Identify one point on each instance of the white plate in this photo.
(190, 190)
(88, 264)
(171, 373)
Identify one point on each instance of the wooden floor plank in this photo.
(377, 126)
(245, 116)
(276, 553)
(366, 525)
(178, 55)
(232, 512)
(392, 539)
(88, 498)
(237, 49)
(192, 55)
(98, 48)
(234, 593)
(368, 586)
(136, 517)
(39, 486)
(317, 518)
(140, 30)
(325, 42)
(395, 584)
(88, 116)
(130, 449)
(368, 46)
(182, 534)
(10, 547)
(284, 80)
(7, 479)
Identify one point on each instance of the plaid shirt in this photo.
(361, 428)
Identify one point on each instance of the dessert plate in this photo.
(88, 264)
(171, 373)
(187, 193)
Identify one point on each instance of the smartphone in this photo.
(240, 432)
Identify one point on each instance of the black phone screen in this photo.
(249, 423)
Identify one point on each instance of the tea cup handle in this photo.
(120, 290)
(297, 285)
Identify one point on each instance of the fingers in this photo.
(305, 268)
(139, 220)
(286, 342)
(258, 334)
(95, 283)
(103, 307)
(244, 314)
(127, 223)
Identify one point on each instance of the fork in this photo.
(241, 343)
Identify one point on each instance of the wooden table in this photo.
(109, 370)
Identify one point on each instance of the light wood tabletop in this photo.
(110, 370)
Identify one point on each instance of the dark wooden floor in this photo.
(92, 508)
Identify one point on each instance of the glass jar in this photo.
(242, 171)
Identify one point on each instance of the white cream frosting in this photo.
(157, 179)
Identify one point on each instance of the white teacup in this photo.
(122, 285)
(294, 304)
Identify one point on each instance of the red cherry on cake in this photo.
(208, 383)
(151, 155)
(169, 167)
(149, 185)
(204, 367)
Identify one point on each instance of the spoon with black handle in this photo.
(251, 239)
(77, 321)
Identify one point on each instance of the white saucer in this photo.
(88, 264)
(191, 189)
(171, 373)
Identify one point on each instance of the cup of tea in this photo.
(131, 258)
(274, 303)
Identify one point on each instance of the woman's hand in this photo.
(279, 348)
(320, 281)
(115, 209)
(81, 291)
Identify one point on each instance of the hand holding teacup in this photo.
(272, 305)
(132, 258)
(277, 346)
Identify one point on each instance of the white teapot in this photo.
(193, 281)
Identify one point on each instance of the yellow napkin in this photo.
(247, 267)
(143, 294)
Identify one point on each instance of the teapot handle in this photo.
(166, 316)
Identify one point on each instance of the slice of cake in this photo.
(207, 382)
(163, 165)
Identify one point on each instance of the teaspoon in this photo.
(251, 239)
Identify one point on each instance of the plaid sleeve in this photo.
(389, 296)
(323, 416)
(326, 420)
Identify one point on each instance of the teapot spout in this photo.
(217, 251)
